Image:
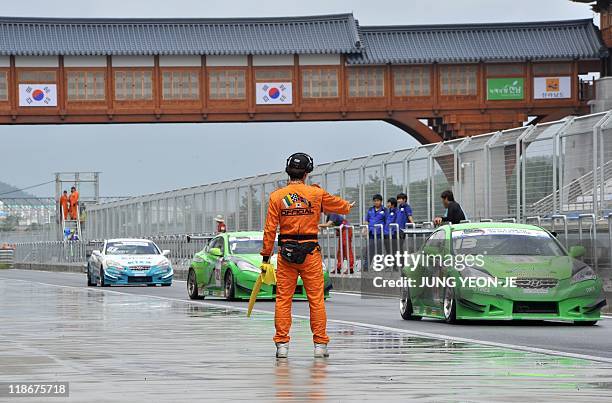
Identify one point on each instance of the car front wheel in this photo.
(90, 283)
(102, 283)
(229, 288)
(192, 286)
(450, 305)
(406, 306)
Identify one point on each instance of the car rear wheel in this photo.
(229, 289)
(450, 305)
(585, 322)
(406, 306)
(192, 285)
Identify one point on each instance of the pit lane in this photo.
(141, 343)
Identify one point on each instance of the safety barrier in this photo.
(337, 241)
(6, 257)
(181, 247)
(352, 243)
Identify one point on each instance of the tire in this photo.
(405, 305)
(449, 305)
(192, 286)
(89, 282)
(166, 284)
(229, 288)
(585, 322)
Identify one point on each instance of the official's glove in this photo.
(268, 273)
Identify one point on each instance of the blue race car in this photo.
(129, 262)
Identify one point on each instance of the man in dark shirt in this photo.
(454, 212)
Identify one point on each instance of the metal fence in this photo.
(348, 249)
(562, 167)
(181, 247)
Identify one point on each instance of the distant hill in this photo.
(5, 187)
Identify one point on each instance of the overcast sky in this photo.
(138, 159)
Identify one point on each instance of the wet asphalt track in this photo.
(593, 341)
(154, 345)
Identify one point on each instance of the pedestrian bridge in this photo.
(435, 82)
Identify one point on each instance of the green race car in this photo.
(229, 266)
(516, 272)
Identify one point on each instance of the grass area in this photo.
(4, 266)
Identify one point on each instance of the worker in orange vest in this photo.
(74, 203)
(221, 227)
(296, 209)
(64, 204)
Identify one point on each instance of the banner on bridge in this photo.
(274, 93)
(552, 87)
(37, 95)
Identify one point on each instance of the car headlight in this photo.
(583, 274)
(244, 265)
(164, 265)
(472, 272)
(113, 264)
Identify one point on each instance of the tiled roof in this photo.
(576, 39)
(327, 34)
(257, 36)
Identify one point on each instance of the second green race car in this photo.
(229, 266)
(517, 272)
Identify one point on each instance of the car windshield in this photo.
(131, 248)
(505, 241)
(245, 245)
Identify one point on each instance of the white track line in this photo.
(345, 322)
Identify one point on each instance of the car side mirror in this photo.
(166, 252)
(554, 233)
(577, 251)
(215, 252)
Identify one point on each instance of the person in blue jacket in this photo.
(376, 219)
(391, 230)
(404, 216)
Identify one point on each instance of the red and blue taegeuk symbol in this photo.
(38, 95)
(273, 92)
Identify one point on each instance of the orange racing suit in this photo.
(74, 202)
(64, 205)
(297, 208)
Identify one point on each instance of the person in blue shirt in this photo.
(376, 218)
(404, 216)
(404, 211)
(391, 230)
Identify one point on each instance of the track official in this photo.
(296, 209)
